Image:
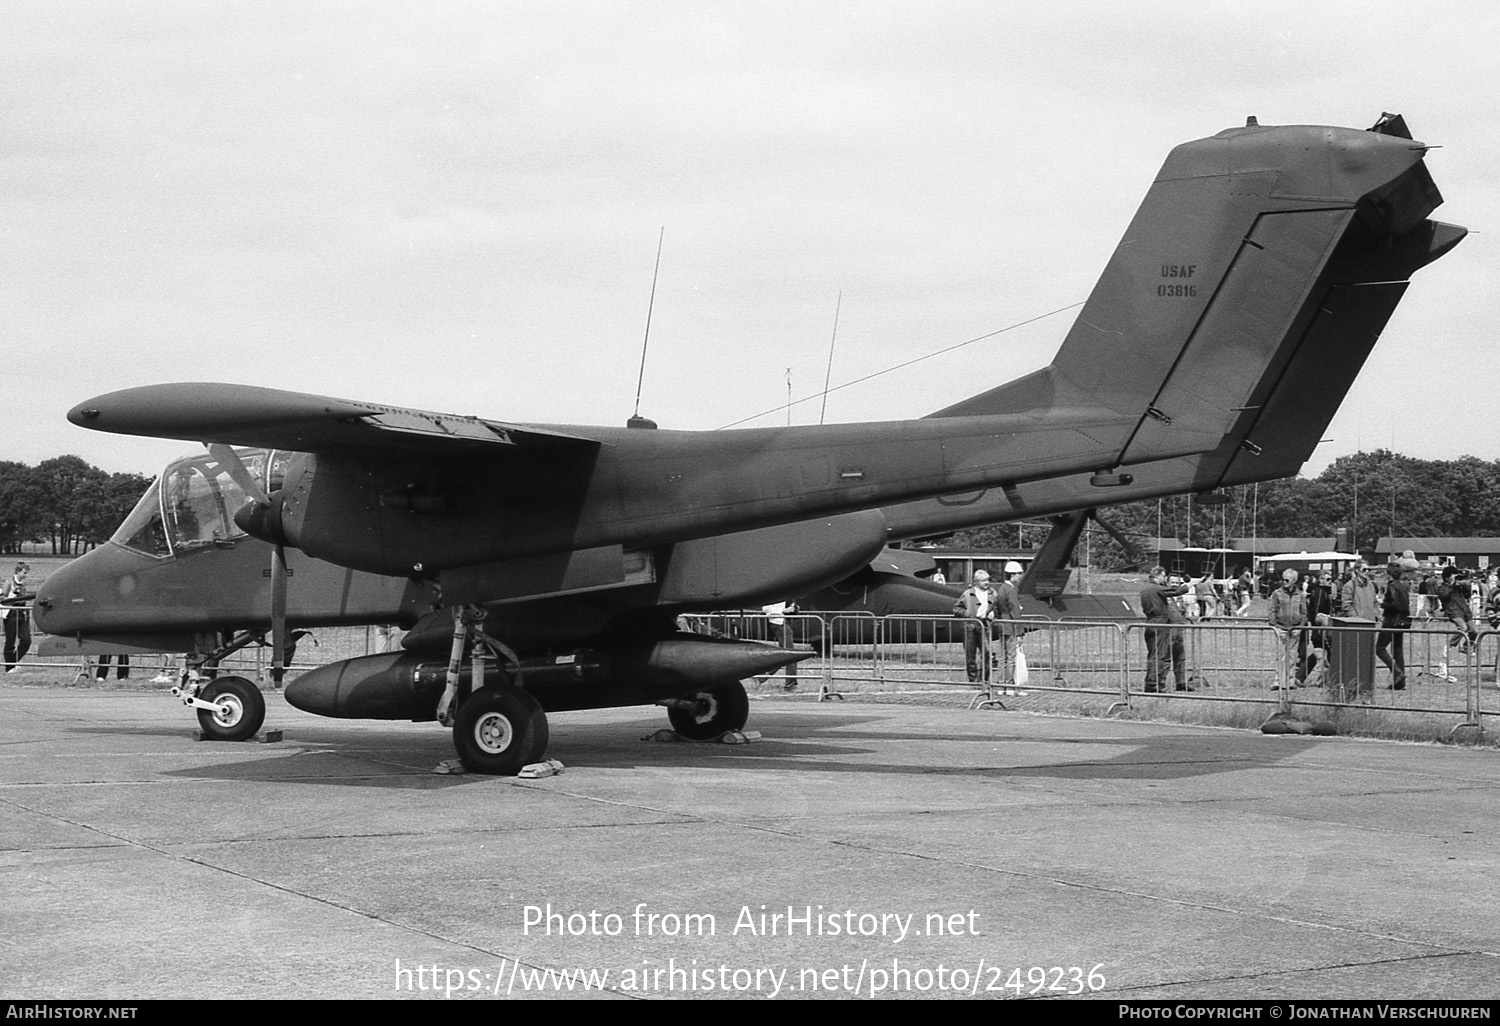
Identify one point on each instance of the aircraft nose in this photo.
(59, 599)
(71, 600)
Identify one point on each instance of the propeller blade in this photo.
(230, 461)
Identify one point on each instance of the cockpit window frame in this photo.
(215, 497)
(135, 525)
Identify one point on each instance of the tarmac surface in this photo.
(1017, 852)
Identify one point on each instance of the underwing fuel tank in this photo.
(407, 686)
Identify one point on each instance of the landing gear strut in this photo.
(229, 708)
(497, 728)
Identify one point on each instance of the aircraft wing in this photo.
(275, 419)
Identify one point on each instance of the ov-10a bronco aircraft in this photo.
(550, 562)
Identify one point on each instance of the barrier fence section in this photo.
(1221, 659)
(1317, 667)
(1486, 700)
(1074, 655)
(932, 652)
(1201, 654)
(896, 650)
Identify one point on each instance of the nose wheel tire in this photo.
(240, 713)
(498, 730)
(717, 709)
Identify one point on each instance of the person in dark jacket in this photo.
(1453, 593)
(1395, 618)
(1163, 644)
(977, 606)
(1320, 609)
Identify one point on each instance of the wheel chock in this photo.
(537, 770)
(453, 766)
(729, 737)
(265, 737)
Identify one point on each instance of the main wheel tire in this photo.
(242, 709)
(498, 730)
(717, 709)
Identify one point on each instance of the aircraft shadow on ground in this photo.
(354, 767)
(400, 760)
(1148, 759)
(182, 730)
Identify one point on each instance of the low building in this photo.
(1261, 548)
(1471, 553)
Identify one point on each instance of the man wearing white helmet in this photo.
(1007, 611)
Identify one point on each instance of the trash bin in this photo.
(1351, 659)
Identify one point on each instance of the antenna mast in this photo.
(828, 375)
(636, 420)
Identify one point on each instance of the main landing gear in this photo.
(497, 728)
(705, 714)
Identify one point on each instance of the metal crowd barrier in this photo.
(932, 653)
(911, 651)
(1217, 654)
(1486, 691)
(1238, 662)
(1074, 655)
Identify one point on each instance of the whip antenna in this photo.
(828, 375)
(636, 420)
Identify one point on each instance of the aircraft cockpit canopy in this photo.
(191, 505)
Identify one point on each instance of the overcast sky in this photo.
(456, 206)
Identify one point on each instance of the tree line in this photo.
(65, 501)
(1372, 495)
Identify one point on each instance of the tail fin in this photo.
(1257, 254)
